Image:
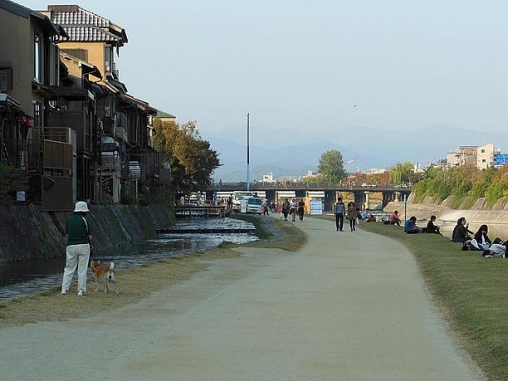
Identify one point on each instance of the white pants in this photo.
(77, 256)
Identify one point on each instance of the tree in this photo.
(191, 159)
(331, 166)
(401, 173)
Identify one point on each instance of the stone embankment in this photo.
(479, 213)
(27, 232)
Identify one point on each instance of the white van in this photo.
(251, 204)
(238, 196)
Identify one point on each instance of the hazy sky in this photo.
(298, 64)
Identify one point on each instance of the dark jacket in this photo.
(461, 233)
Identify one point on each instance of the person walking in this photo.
(340, 211)
(352, 215)
(266, 206)
(292, 210)
(301, 209)
(79, 238)
(285, 209)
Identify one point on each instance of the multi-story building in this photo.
(66, 117)
(30, 85)
(122, 122)
(480, 156)
(485, 156)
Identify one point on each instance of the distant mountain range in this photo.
(367, 148)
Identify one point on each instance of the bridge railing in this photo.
(291, 185)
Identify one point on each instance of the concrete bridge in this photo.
(329, 192)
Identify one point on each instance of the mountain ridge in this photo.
(367, 147)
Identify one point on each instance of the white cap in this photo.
(81, 206)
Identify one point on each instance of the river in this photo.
(29, 277)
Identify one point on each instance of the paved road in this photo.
(348, 306)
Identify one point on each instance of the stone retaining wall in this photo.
(26, 232)
(479, 213)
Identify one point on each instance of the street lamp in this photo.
(248, 156)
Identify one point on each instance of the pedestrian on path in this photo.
(352, 215)
(79, 238)
(340, 211)
(292, 210)
(301, 209)
(285, 209)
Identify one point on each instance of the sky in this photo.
(302, 65)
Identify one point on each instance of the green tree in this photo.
(331, 166)
(401, 173)
(191, 159)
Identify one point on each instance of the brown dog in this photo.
(105, 274)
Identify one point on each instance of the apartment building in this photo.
(30, 78)
(60, 91)
(480, 156)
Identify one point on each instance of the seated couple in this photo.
(411, 228)
(368, 216)
(482, 242)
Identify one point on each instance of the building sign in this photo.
(501, 159)
(316, 207)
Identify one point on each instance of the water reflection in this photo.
(23, 278)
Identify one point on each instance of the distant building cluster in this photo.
(67, 119)
(482, 157)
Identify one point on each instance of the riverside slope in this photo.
(347, 306)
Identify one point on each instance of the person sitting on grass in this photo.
(372, 218)
(410, 226)
(496, 250)
(431, 228)
(461, 231)
(394, 218)
(482, 238)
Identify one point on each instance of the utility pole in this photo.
(248, 156)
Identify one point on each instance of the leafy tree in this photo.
(191, 159)
(331, 166)
(401, 173)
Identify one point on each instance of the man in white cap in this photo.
(79, 238)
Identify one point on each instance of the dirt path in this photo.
(348, 306)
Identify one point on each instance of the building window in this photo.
(483, 151)
(37, 114)
(38, 58)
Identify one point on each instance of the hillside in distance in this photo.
(366, 148)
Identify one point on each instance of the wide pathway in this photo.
(348, 306)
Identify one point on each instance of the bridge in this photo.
(277, 191)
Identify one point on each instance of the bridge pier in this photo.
(388, 197)
(330, 199)
(270, 195)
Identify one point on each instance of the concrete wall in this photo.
(26, 232)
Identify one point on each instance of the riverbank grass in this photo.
(471, 292)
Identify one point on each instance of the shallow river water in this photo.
(29, 277)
